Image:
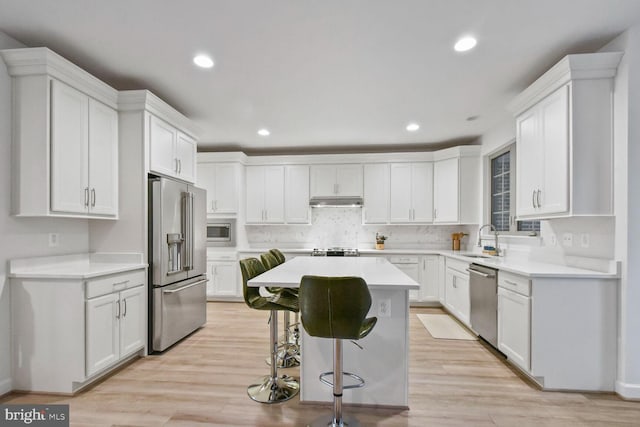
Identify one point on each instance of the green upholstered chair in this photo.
(279, 255)
(270, 388)
(288, 351)
(336, 308)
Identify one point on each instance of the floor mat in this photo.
(442, 326)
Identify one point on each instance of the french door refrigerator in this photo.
(177, 256)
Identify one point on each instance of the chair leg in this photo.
(271, 388)
(288, 352)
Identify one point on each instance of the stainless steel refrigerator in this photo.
(177, 254)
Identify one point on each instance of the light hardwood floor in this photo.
(202, 382)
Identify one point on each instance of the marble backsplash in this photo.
(343, 227)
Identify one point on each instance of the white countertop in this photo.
(77, 266)
(377, 272)
(523, 267)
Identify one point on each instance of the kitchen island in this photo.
(383, 360)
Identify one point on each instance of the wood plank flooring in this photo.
(202, 382)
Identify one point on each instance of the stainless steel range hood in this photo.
(335, 201)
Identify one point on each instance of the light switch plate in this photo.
(567, 240)
(553, 240)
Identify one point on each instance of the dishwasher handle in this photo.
(480, 273)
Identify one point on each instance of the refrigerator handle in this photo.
(187, 221)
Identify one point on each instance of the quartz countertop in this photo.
(377, 272)
(519, 266)
(77, 266)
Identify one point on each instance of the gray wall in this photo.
(23, 237)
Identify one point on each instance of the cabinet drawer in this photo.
(515, 283)
(114, 283)
(460, 266)
(403, 259)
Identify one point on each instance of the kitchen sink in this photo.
(475, 255)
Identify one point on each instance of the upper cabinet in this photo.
(336, 180)
(411, 192)
(457, 185)
(564, 139)
(65, 146)
(221, 181)
(172, 152)
(296, 195)
(376, 193)
(265, 194)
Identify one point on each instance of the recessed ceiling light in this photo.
(412, 127)
(464, 44)
(203, 61)
(472, 118)
(264, 132)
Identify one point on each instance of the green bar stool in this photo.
(270, 388)
(294, 337)
(288, 353)
(336, 307)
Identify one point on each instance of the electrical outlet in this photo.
(54, 238)
(567, 240)
(384, 308)
(585, 240)
(553, 240)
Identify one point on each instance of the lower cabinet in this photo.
(115, 327)
(410, 265)
(457, 290)
(223, 272)
(514, 327)
(66, 333)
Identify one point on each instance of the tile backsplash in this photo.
(343, 227)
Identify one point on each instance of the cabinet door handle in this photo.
(454, 282)
(124, 313)
(86, 196)
(175, 167)
(435, 213)
(179, 166)
(509, 282)
(93, 197)
(118, 311)
(538, 197)
(533, 199)
(266, 215)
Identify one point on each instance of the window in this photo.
(502, 171)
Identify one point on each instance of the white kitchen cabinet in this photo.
(376, 193)
(457, 299)
(172, 153)
(411, 192)
(296, 195)
(221, 181)
(411, 266)
(564, 139)
(457, 185)
(95, 323)
(442, 277)
(115, 327)
(514, 329)
(336, 180)
(445, 190)
(223, 280)
(65, 138)
(429, 285)
(265, 194)
(84, 151)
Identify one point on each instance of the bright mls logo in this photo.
(36, 415)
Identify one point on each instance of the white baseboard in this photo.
(628, 391)
(5, 386)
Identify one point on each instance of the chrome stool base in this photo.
(288, 356)
(273, 390)
(329, 421)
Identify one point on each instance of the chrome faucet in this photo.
(495, 236)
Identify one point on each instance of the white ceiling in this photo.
(323, 75)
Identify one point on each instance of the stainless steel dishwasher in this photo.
(483, 295)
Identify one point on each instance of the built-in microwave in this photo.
(221, 232)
